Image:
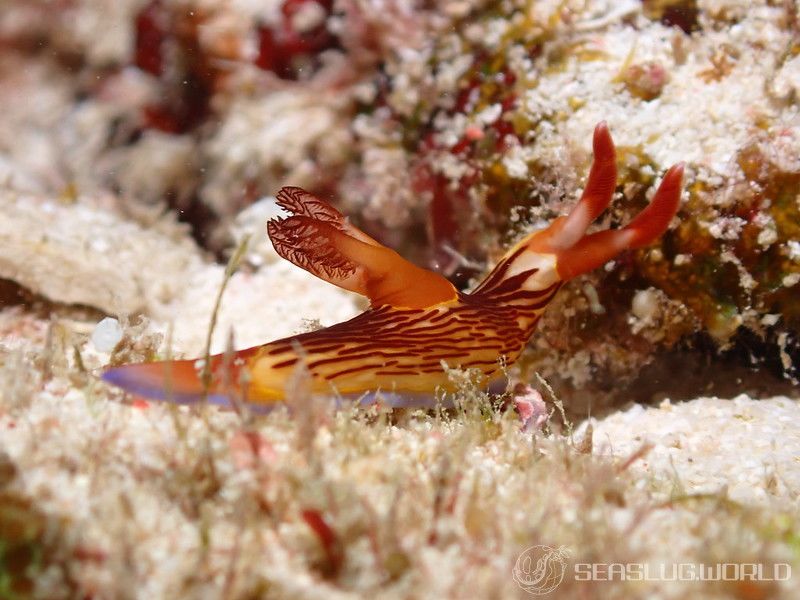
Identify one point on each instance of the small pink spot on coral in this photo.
(140, 403)
(473, 133)
(530, 406)
(646, 80)
(249, 447)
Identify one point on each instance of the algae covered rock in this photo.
(492, 123)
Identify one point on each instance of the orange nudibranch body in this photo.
(417, 320)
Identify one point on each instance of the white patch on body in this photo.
(543, 278)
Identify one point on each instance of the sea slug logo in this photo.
(540, 569)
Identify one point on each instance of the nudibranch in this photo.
(417, 320)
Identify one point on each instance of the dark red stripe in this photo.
(285, 363)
